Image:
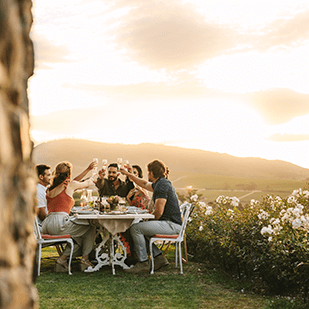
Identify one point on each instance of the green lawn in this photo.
(199, 287)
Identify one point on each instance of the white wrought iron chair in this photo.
(177, 238)
(167, 243)
(46, 240)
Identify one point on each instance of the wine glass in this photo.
(104, 165)
(119, 162)
(126, 164)
(95, 169)
(89, 197)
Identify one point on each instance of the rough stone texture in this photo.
(17, 176)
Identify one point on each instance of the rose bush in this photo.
(265, 241)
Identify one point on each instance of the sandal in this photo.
(61, 266)
(84, 264)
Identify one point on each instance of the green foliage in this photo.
(265, 241)
(286, 303)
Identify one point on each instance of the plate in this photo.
(133, 208)
(85, 212)
(79, 208)
(138, 211)
(115, 212)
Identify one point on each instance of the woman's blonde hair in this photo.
(61, 172)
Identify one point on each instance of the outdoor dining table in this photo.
(110, 224)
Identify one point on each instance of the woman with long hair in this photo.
(138, 196)
(58, 222)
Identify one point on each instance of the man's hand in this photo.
(123, 171)
(130, 169)
(101, 173)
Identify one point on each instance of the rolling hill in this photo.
(181, 161)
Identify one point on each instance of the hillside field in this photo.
(212, 174)
(211, 186)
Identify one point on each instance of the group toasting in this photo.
(55, 201)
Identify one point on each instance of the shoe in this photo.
(61, 266)
(84, 264)
(139, 267)
(130, 261)
(159, 262)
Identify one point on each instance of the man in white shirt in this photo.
(44, 175)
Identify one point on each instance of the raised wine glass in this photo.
(126, 164)
(119, 163)
(95, 169)
(104, 165)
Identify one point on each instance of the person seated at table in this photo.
(138, 196)
(44, 179)
(58, 222)
(167, 215)
(113, 185)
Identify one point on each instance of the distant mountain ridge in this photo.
(181, 160)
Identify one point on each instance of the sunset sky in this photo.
(228, 76)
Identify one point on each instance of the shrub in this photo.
(265, 240)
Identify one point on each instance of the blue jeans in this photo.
(140, 231)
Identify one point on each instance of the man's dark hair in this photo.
(158, 169)
(41, 168)
(139, 170)
(113, 165)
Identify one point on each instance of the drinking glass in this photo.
(126, 164)
(89, 197)
(95, 169)
(104, 165)
(119, 162)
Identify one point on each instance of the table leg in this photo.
(119, 257)
(113, 258)
(102, 258)
(112, 247)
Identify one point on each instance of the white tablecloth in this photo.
(115, 223)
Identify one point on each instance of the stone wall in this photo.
(17, 177)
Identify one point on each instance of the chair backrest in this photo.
(185, 208)
(36, 229)
(182, 207)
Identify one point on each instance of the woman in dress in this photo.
(59, 203)
(138, 196)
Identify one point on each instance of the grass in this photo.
(200, 286)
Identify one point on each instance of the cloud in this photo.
(75, 120)
(279, 106)
(173, 36)
(168, 35)
(286, 32)
(276, 106)
(288, 137)
(48, 53)
(148, 91)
